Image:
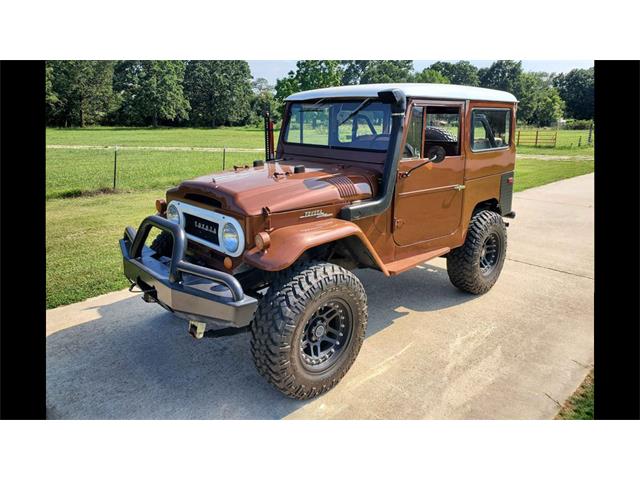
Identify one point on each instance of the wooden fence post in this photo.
(115, 166)
(537, 137)
(590, 132)
(518, 141)
(224, 157)
(580, 140)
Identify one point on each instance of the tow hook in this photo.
(196, 329)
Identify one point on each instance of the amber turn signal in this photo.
(263, 240)
(228, 263)
(161, 206)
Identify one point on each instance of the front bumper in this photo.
(193, 292)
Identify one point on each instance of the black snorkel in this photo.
(398, 105)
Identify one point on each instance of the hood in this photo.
(276, 185)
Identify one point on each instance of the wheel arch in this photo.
(317, 240)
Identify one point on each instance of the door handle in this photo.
(459, 187)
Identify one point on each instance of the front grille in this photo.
(201, 228)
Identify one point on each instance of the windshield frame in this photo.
(356, 101)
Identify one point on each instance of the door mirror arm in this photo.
(438, 157)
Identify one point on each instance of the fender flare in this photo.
(289, 243)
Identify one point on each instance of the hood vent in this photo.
(346, 189)
(212, 202)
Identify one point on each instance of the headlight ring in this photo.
(230, 238)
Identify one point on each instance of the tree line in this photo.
(210, 93)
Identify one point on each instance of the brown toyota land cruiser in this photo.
(381, 176)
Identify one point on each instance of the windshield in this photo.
(361, 125)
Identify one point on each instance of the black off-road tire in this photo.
(435, 134)
(464, 265)
(282, 320)
(163, 244)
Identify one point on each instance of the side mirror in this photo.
(436, 154)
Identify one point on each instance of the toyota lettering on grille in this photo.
(205, 227)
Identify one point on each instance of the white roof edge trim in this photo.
(439, 91)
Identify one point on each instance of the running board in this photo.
(399, 266)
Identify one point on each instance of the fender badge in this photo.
(315, 213)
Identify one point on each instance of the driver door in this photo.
(428, 202)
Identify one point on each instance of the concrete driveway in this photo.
(431, 351)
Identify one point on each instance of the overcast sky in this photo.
(274, 69)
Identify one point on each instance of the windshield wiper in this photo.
(355, 112)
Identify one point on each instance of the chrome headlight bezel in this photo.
(220, 219)
(173, 213)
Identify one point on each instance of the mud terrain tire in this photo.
(435, 134)
(476, 265)
(303, 302)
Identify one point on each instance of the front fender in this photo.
(289, 243)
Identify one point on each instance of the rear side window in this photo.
(490, 129)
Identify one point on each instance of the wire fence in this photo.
(555, 137)
(74, 170)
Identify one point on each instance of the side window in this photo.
(414, 134)
(490, 128)
(442, 131)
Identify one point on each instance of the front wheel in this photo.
(476, 265)
(309, 328)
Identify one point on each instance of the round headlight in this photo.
(172, 213)
(230, 238)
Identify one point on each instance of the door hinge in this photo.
(397, 223)
(459, 187)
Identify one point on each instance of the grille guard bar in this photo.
(182, 287)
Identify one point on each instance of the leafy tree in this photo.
(502, 75)
(50, 95)
(260, 85)
(156, 93)
(428, 75)
(264, 100)
(459, 73)
(219, 92)
(285, 87)
(548, 109)
(312, 74)
(576, 89)
(78, 92)
(353, 71)
(387, 71)
(539, 103)
(530, 87)
(309, 74)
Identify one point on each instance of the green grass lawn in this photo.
(83, 256)
(70, 172)
(532, 173)
(580, 405)
(238, 137)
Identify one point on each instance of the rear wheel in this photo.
(475, 266)
(309, 328)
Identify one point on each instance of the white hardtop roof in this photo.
(439, 91)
